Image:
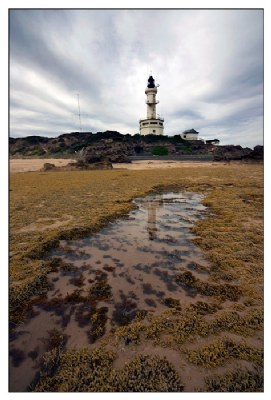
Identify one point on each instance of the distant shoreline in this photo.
(35, 164)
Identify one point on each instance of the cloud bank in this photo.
(209, 64)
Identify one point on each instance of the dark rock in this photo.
(256, 154)
(105, 150)
(230, 152)
(48, 167)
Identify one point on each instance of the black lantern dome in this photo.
(151, 82)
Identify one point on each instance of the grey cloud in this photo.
(242, 84)
(187, 114)
(205, 60)
(29, 46)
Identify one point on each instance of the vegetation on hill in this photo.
(160, 151)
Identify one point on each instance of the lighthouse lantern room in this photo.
(152, 124)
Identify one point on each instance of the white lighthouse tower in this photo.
(152, 124)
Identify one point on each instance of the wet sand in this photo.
(163, 164)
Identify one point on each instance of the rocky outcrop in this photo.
(230, 152)
(112, 147)
(78, 166)
(255, 155)
(199, 147)
(106, 150)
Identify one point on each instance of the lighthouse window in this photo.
(154, 130)
(145, 123)
(160, 123)
(153, 123)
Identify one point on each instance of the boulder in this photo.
(48, 167)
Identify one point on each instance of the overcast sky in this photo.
(209, 64)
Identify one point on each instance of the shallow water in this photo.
(133, 261)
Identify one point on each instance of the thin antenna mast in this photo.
(79, 113)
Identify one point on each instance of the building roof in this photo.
(190, 131)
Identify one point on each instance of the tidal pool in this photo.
(127, 268)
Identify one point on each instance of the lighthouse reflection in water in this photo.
(170, 215)
(151, 207)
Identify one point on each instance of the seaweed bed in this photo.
(217, 336)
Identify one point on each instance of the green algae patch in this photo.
(223, 350)
(147, 374)
(202, 308)
(92, 371)
(98, 321)
(239, 380)
(243, 325)
(75, 371)
(100, 290)
(130, 333)
(172, 303)
(189, 325)
(225, 291)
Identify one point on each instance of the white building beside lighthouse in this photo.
(152, 124)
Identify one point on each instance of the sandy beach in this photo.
(157, 164)
(35, 164)
(27, 165)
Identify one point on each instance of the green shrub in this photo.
(159, 151)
